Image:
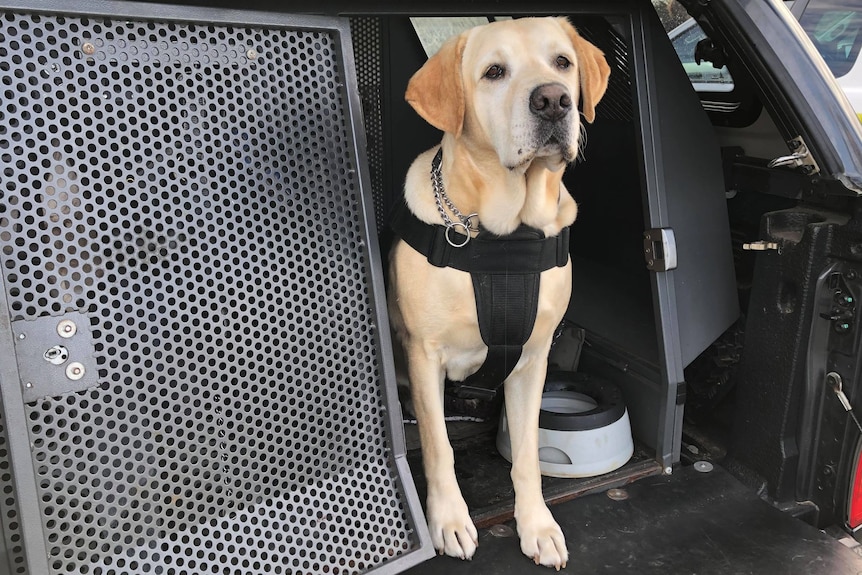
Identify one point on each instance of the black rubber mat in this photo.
(687, 523)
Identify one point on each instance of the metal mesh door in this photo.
(191, 357)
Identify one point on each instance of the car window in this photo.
(685, 34)
(835, 28)
(703, 75)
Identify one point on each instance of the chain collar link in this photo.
(440, 198)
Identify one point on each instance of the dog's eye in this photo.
(563, 62)
(495, 72)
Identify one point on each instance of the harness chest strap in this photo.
(505, 271)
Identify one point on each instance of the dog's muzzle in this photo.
(551, 102)
(551, 106)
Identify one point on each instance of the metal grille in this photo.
(616, 104)
(368, 48)
(192, 192)
(9, 515)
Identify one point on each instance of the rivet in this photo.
(67, 328)
(75, 371)
(668, 470)
(28, 385)
(618, 494)
(703, 466)
(88, 48)
(251, 54)
(22, 336)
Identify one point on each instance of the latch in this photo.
(660, 249)
(55, 355)
(761, 246)
(800, 158)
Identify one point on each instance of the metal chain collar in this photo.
(441, 198)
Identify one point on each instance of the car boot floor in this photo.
(690, 522)
(484, 475)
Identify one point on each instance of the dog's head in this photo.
(513, 86)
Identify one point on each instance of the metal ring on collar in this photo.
(451, 227)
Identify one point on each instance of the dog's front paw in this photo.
(542, 539)
(452, 530)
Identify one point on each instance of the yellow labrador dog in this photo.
(506, 97)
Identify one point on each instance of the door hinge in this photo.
(800, 158)
(660, 249)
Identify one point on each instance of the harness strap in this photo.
(505, 271)
(507, 306)
(485, 253)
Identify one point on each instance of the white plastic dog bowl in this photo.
(584, 428)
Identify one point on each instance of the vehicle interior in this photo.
(615, 327)
(209, 224)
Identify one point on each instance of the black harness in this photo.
(505, 271)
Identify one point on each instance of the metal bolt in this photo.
(501, 531)
(703, 466)
(75, 371)
(28, 385)
(618, 494)
(22, 336)
(67, 328)
(88, 48)
(668, 470)
(251, 54)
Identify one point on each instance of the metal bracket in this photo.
(761, 246)
(56, 355)
(800, 158)
(660, 249)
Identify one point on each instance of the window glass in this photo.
(685, 34)
(835, 28)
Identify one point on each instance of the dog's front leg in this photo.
(541, 537)
(452, 529)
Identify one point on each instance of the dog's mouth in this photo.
(551, 141)
(554, 142)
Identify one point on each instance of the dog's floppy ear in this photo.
(435, 91)
(594, 70)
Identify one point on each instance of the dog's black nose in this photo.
(550, 102)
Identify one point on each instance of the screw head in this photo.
(67, 328)
(88, 48)
(75, 371)
(703, 466)
(251, 54)
(618, 494)
(501, 531)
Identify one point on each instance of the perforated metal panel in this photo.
(184, 233)
(368, 50)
